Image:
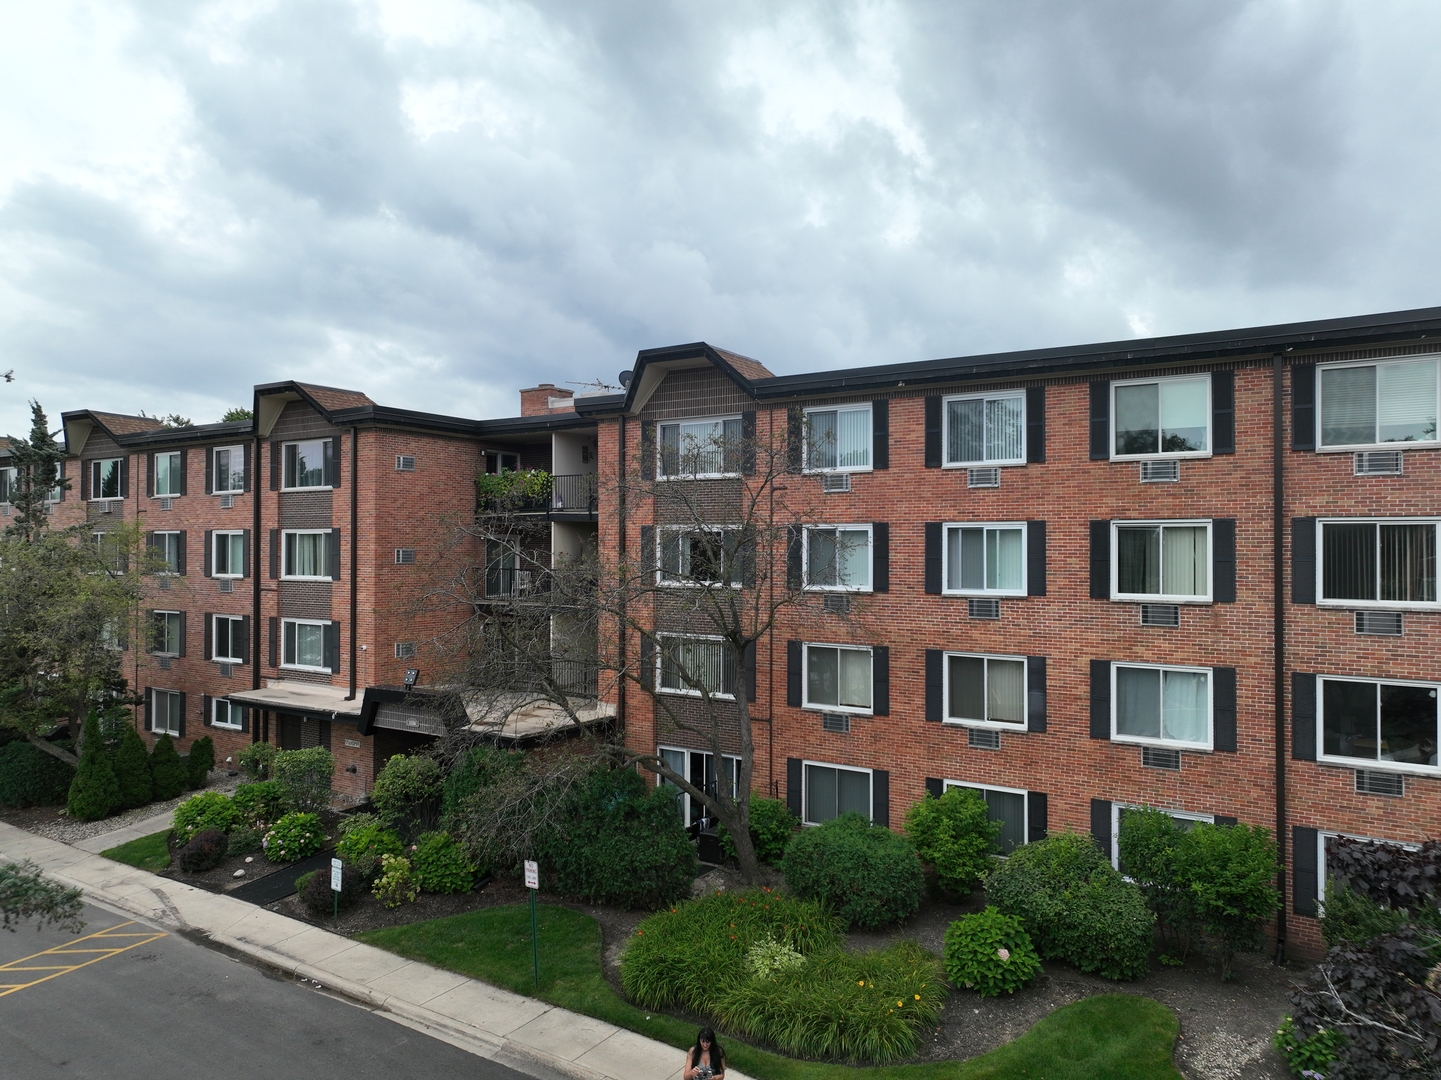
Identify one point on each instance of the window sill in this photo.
(242, 493)
(158, 495)
(320, 487)
(983, 464)
(226, 660)
(233, 577)
(297, 577)
(1372, 765)
(1191, 455)
(1362, 447)
(303, 667)
(838, 470)
(1192, 601)
(985, 725)
(849, 710)
(1162, 744)
(700, 476)
(690, 584)
(1380, 605)
(694, 694)
(983, 594)
(848, 590)
(226, 727)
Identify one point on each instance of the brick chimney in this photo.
(545, 398)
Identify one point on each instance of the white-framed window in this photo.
(704, 447)
(1183, 820)
(832, 790)
(1161, 705)
(986, 559)
(227, 642)
(1378, 403)
(166, 629)
(838, 558)
(165, 712)
(697, 665)
(1161, 560)
(1391, 724)
(306, 554)
(305, 464)
(699, 768)
(1390, 563)
(985, 691)
(1168, 417)
(166, 545)
(1324, 840)
(228, 470)
(1005, 805)
(303, 644)
(169, 474)
(227, 554)
(690, 556)
(498, 461)
(838, 439)
(837, 678)
(113, 552)
(105, 478)
(224, 713)
(113, 633)
(985, 429)
(7, 484)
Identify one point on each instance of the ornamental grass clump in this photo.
(295, 836)
(990, 953)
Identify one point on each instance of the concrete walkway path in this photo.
(528, 1035)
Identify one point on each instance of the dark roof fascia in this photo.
(523, 425)
(1144, 352)
(198, 433)
(696, 350)
(456, 425)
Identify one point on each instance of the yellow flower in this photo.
(861, 982)
(918, 997)
(900, 1004)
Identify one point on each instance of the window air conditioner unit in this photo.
(1156, 757)
(983, 478)
(1369, 782)
(834, 483)
(1160, 472)
(1380, 623)
(983, 739)
(1377, 463)
(978, 608)
(1160, 615)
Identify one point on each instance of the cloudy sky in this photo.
(437, 201)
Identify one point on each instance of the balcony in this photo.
(574, 494)
(571, 497)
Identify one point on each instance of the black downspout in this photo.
(1278, 630)
(354, 562)
(620, 512)
(255, 620)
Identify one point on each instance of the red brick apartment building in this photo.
(1197, 573)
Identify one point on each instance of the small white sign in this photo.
(532, 874)
(335, 875)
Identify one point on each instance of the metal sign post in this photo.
(334, 891)
(532, 882)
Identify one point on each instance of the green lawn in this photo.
(148, 853)
(1109, 1037)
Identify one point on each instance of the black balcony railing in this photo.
(574, 494)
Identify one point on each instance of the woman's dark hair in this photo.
(717, 1055)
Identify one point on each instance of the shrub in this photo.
(132, 770)
(1108, 929)
(204, 851)
(1312, 1055)
(407, 790)
(318, 897)
(256, 760)
(295, 836)
(94, 793)
(208, 810)
(955, 835)
(440, 864)
(167, 769)
(245, 841)
(771, 827)
(1147, 843)
(618, 841)
(304, 776)
(361, 846)
(1349, 917)
(31, 777)
(1229, 872)
(260, 804)
(478, 768)
(26, 893)
(200, 761)
(990, 953)
(396, 884)
(868, 874)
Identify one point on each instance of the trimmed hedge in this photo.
(870, 876)
(31, 777)
(204, 852)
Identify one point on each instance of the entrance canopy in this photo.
(312, 700)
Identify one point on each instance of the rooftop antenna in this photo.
(598, 385)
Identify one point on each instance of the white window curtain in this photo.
(1184, 407)
(1138, 702)
(1003, 559)
(307, 554)
(1183, 560)
(853, 439)
(855, 678)
(1183, 706)
(1005, 691)
(966, 430)
(983, 559)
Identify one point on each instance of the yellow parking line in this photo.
(68, 949)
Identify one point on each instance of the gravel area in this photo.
(54, 823)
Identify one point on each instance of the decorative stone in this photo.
(238, 873)
(250, 858)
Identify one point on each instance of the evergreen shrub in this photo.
(204, 852)
(771, 826)
(955, 836)
(305, 776)
(94, 793)
(407, 791)
(440, 864)
(295, 836)
(167, 770)
(475, 770)
(870, 876)
(132, 769)
(208, 810)
(260, 804)
(200, 761)
(990, 953)
(31, 777)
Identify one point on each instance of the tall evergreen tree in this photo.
(37, 462)
(132, 770)
(94, 793)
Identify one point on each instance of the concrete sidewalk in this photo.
(520, 1032)
(105, 841)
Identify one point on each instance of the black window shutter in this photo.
(647, 449)
(182, 634)
(209, 640)
(880, 556)
(210, 471)
(1036, 425)
(62, 477)
(793, 785)
(795, 438)
(647, 661)
(1303, 560)
(1305, 874)
(793, 674)
(205, 709)
(1037, 816)
(794, 540)
(933, 433)
(1303, 407)
(1035, 693)
(933, 557)
(746, 556)
(1035, 558)
(245, 485)
(1226, 819)
(125, 477)
(274, 641)
(935, 787)
(647, 553)
(184, 472)
(1223, 707)
(935, 684)
(1100, 560)
(1303, 716)
(180, 720)
(1223, 560)
(332, 462)
(150, 475)
(243, 651)
(275, 456)
(1101, 420)
(332, 645)
(1101, 825)
(244, 711)
(1223, 412)
(881, 433)
(205, 556)
(245, 552)
(274, 553)
(182, 546)
(881, 797)
(750, 670)
(748, 442)
(149, 709)
(1100, 699)
(881, 680)
(334, 554)
(86, 468)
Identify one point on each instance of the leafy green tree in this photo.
(94, 793)
(955, 835)
(167, 769)
(132, 770)
(239, 413)
(26, 893)
(1230, 872)
(1147, 844)
(37, 462)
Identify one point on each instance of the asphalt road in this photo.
(166, 1008)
